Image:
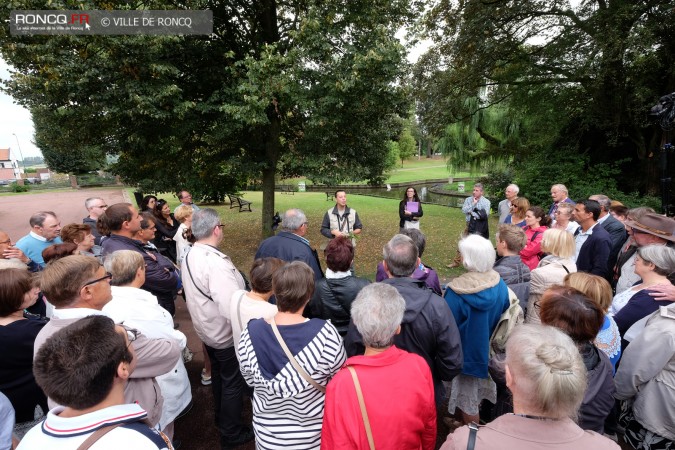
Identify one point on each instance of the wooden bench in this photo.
(287, 189)
(330, 195)
(238, 202)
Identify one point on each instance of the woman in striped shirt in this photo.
(287, 405)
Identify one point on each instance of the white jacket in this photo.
(139, 309)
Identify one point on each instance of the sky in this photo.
(15, 119)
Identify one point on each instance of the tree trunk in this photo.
(269, 172)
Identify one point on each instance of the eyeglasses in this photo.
(107, 276)
(132, 335)
(220, 225)
(305, 224)
(8, 241)
(101, 206)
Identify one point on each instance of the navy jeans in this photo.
(228, 386)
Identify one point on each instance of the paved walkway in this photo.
(15, 210)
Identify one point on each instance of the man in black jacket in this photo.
(122, 221)
(593, 243)
(428, 328)
(617, 232)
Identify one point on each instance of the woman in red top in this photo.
(537, 222)
(398, 390)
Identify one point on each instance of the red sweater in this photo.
(399, 397)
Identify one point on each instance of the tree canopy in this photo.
(570, 78)
(280, 88)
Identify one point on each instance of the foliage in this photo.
(16, 187)
(30, 170)
(583, 75)
(406, 145)
(283, 88)
(495, 181)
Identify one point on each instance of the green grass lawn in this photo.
(441, 225)
(411, 170)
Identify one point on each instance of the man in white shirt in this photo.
(85, 367)
(504, 207)
(209, 279)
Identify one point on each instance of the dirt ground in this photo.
(15, 210)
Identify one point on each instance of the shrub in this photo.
(15, 187)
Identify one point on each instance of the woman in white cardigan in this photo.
(559, 247)
(139, 309)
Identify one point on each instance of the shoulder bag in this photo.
(298, 368)
(362, 405)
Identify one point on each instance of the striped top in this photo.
(287, 410)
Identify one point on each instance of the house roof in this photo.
(43, 170)
(7, 174)
(4, 154)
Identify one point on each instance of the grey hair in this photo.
(293, 219)
(400, 254)
(204, 222)
(123, 265)
(38, 219)
(547, 370)
(478, 254)
(514, 187)
(663, 258)
(90, 200)
(561, 187)
(479, 186)
(418, 238)
(605, 202)
(377, 312)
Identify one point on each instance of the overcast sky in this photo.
(15, 119)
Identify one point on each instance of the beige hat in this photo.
(655, 224)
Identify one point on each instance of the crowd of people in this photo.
(560, 336)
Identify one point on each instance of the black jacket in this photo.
(594, 254)
(404, 217)
(428, 329)
(332, 300)
(161, 276)
(618, 235)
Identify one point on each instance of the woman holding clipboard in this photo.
(410, 209)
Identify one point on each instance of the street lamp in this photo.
(23, 163)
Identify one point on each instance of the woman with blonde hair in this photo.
(547, 378)
(552, 269)
(183, 236)
(598, 289)
(519, 207)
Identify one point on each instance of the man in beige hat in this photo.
(650, 229)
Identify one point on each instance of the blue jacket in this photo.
(477, 300)
(290, 247)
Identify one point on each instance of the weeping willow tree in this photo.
(488, 138)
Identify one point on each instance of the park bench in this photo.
(330, 195)
(238, 202)
(287, 189)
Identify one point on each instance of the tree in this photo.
(407, 147)
(279, 88)
(585, 75)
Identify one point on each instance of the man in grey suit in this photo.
(617, 232)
